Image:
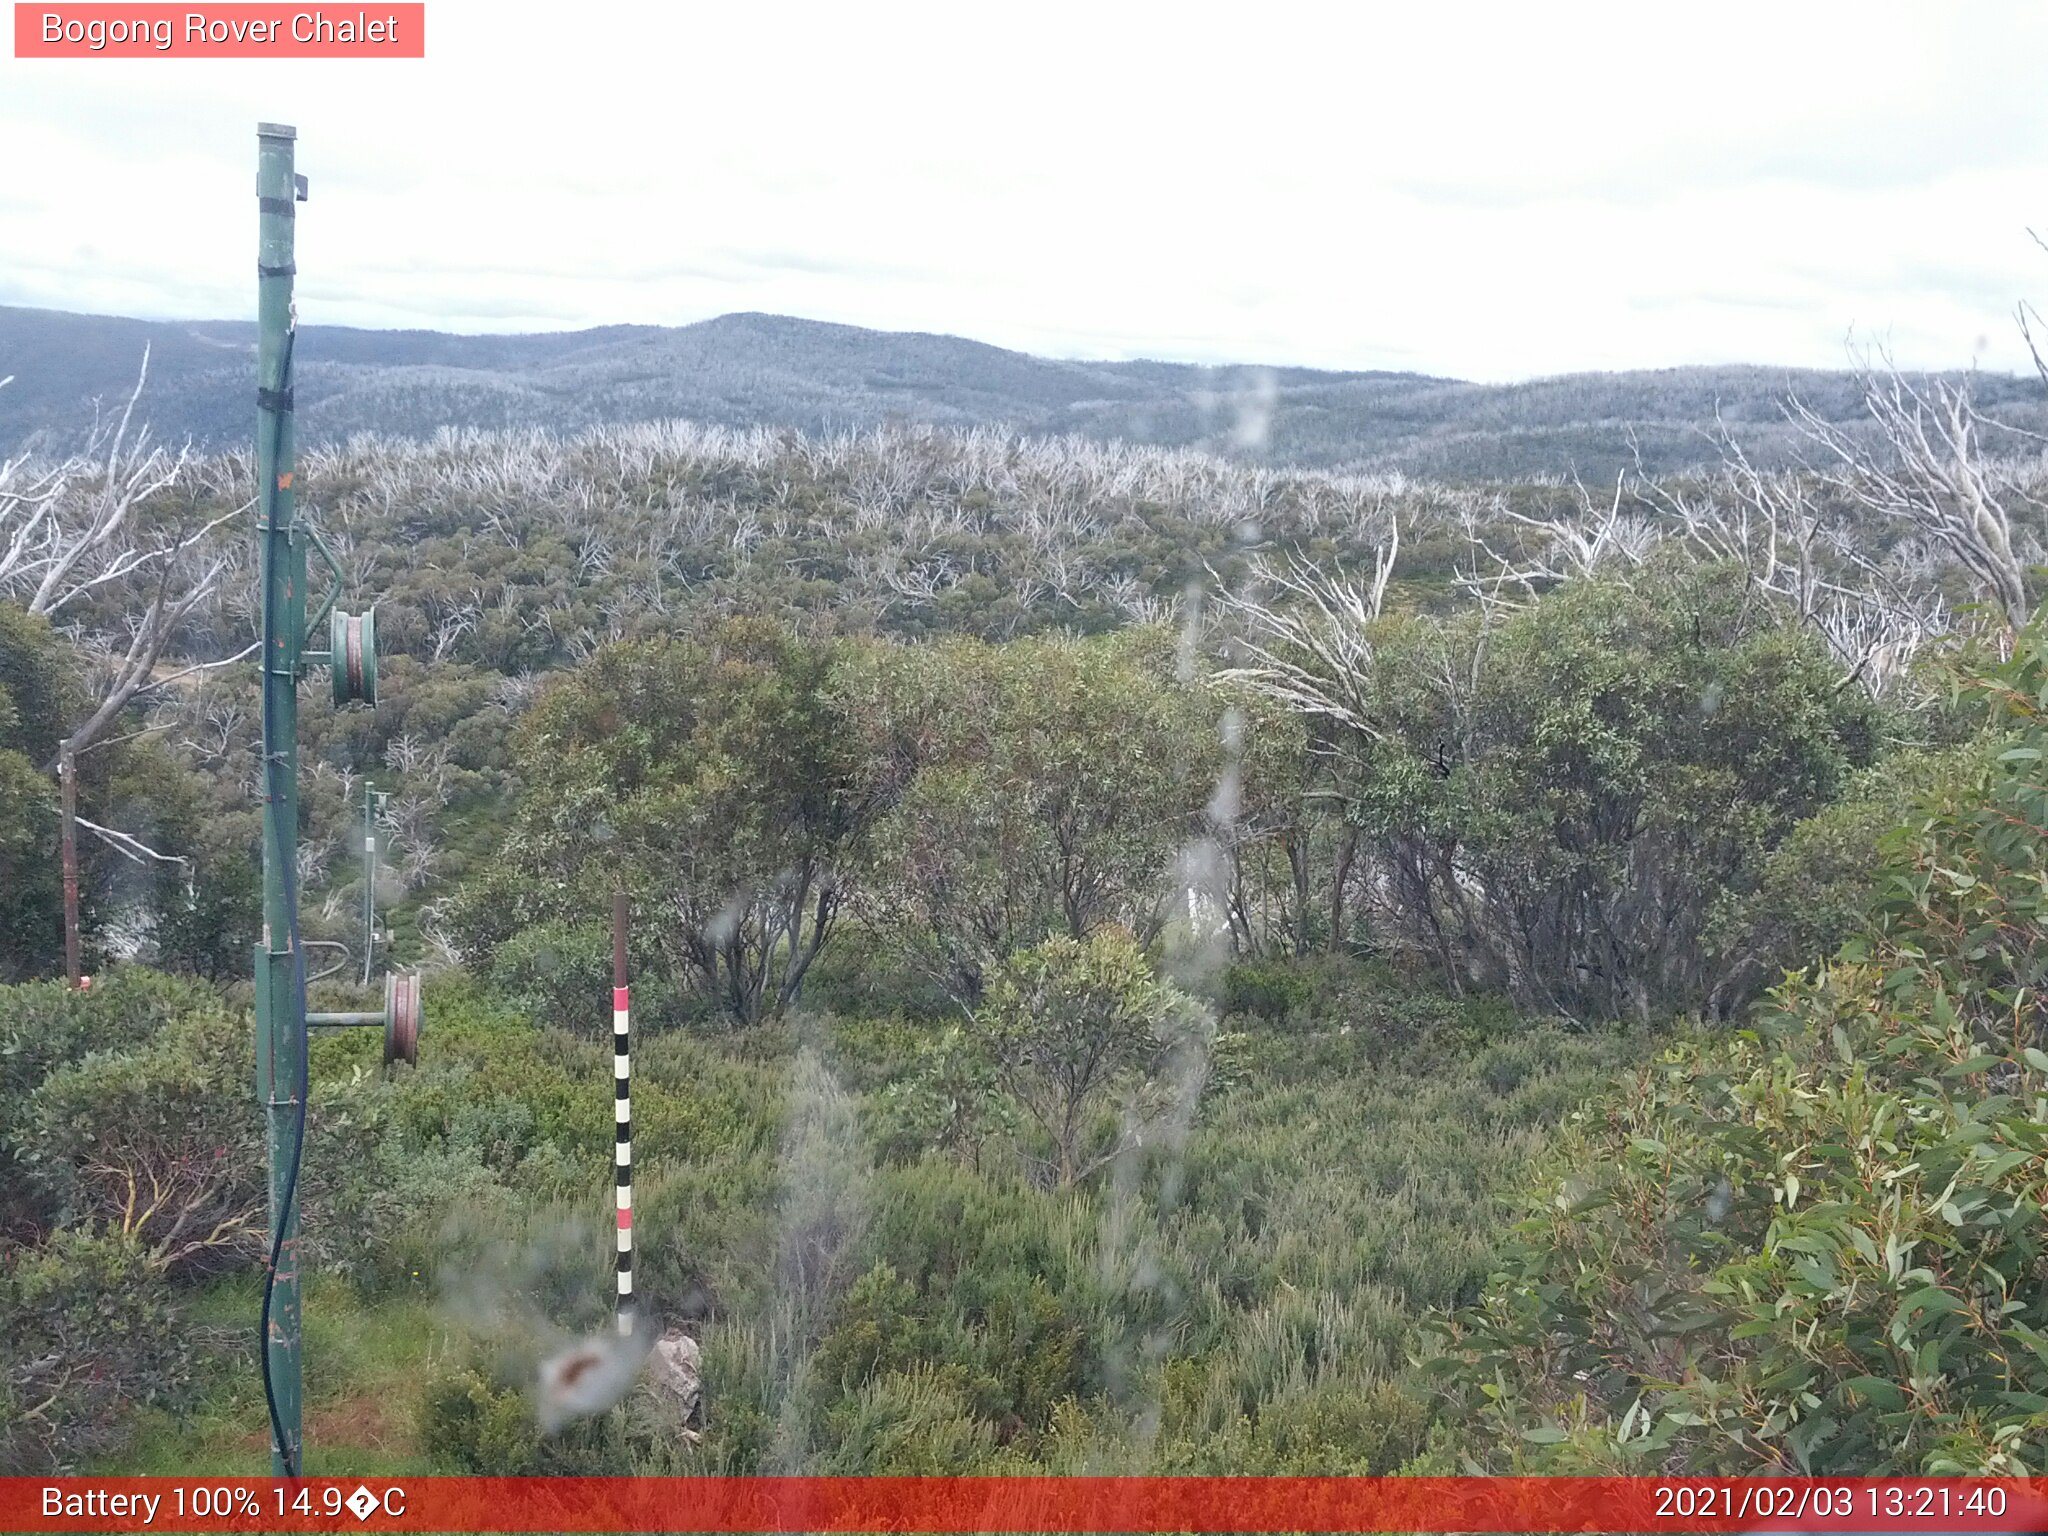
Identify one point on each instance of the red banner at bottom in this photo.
(1023, 1504)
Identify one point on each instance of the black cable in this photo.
(274, 810)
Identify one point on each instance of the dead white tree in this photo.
(1793, 535)
(1791, 541)
(1601, 537)
(1306, 635)
(923, 582)
(87, 527)
(70, 527)
(1933, 475)
(28, 490)
(433, 931)
(452, 625)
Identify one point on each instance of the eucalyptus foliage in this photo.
(713, 781)
(1818, 1246)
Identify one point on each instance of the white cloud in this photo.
(1488, 191)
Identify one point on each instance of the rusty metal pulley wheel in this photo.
(402, 1018)
(352, 646)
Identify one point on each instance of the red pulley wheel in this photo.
(402, 1018)
(352, 660)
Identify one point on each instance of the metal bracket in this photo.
(318, 618)
(325, 944)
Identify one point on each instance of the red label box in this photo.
(224, 31)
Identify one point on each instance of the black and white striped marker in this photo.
(622, 1074)
(622, 1077)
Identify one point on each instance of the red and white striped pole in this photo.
(622, 1075)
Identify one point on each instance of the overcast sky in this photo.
(1493, 191)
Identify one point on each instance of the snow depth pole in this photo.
(622, 1078)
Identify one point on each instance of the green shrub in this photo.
(1364, 1429)
(878, 1327)
(560, 974)
(1818, 1246)
(860, 978)
(1269, 989)
(46, 1024)
(1340, 1426)
(871, 1052)
(393, 1220)
(1817, 887)
(945, 1100)
(1079, 1031)
(705, 1233)
(91, 1332)
(474, 1421)
(907, 1424)
(1041, 1348)
(946, 1230)
(1552, 804)
(469, 1424)
(161, 1141)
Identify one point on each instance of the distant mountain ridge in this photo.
(756, 369)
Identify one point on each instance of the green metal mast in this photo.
(351, 657)
(280, 1003)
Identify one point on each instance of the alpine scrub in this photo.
(1817, 1246)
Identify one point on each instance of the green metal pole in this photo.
(280, 1024)
(369, 879)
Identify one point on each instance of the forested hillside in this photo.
(1121, 934)
(750, 370)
